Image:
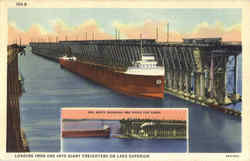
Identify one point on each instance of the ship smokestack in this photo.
(93, 36)
(115, 33)
(141, 42)
(20, 41)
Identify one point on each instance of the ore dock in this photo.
(153, 129)
(195, 69)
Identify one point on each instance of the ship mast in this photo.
(20, 41)
(141, 43)
(102, 123)
(157, 32)
(167, 32)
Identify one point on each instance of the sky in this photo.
(45, 24)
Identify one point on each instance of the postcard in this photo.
(123, 80)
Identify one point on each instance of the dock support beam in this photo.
(187, 85)
(202, 86)
(236, 96)
(235, 75)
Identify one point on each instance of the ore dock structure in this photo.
(153, 129)
(195, 69)
(16, 140)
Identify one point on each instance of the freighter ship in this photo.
(144, 78)
(105, 132)
(139, 74)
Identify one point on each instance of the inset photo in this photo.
(124, 130)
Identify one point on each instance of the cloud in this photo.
(205, 30)
(60, 30)
(13, 32)
(35, 32)
(90, 29)
(147, 29)
(233, 33)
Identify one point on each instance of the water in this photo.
(49, 88)
(123, 145)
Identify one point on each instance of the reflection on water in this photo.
(49, 88)
(123, 145)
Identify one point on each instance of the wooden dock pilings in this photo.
(16, 141)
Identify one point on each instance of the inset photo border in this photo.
(130, 130)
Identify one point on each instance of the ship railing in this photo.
(144, 67)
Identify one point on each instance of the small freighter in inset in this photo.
(104, 132)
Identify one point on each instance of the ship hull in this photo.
(132, 85)
(90, 133)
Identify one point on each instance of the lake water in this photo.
(49, 88)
